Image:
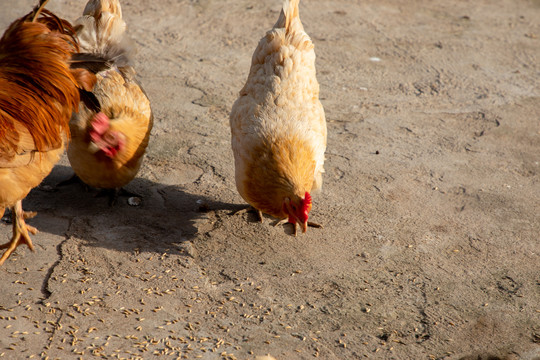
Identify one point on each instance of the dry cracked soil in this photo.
(430, 205)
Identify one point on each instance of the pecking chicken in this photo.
(38, 93)
(112, 129)
(278, 125)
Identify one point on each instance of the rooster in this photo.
(38, 93)
(278, 125)
(112, 129)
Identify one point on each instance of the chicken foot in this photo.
(248, 209)
(286, 221)
(114, 194)
(5, 217)
(20, 231)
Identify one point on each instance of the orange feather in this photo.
(38, 93)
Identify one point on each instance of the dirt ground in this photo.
(430, 205)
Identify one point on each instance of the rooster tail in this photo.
(289, 17)
(43, 93)
(38, 9)
(102, 32)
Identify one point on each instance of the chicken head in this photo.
(103, 138)
(298, 210)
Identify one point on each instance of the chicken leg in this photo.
(250, 209)
(286, 221)
(115, 193)
(20, 231)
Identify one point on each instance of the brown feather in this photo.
(91, 62)
(37, 89)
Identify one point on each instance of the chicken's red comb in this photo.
(306, 204)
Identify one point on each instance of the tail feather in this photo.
(38, 9)
(290, 16)
(101, 32)
(94, 8)
(91, 62)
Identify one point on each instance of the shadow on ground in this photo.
(167, 215)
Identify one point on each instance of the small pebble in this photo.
(134, 201)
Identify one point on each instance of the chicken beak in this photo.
(93, 147)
